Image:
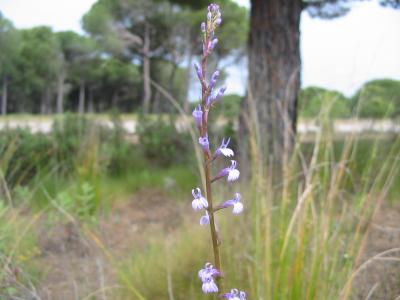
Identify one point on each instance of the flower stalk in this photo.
(212, 277)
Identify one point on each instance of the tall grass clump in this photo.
(302, 236)
(18, 247)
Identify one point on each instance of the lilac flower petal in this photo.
(227, 152)
(204, 202)
(213, 43)
(203, 27)
(220, 94)
(203, 141)
(228, 203)
(197, 204)
(237, 208)
(242, 295)
(209, 287)
(233, 175)
(198, 116)
(198, 71)
(204, 220)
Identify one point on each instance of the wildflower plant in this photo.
(211, 276)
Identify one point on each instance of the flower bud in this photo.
(203, 27)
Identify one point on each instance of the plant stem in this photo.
(214, 235)
(207, 170)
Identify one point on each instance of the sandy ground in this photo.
(379, 278)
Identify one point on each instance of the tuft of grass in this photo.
(299, 239)
(18, 247)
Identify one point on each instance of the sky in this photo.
(339, 54)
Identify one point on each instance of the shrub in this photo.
(161, 142)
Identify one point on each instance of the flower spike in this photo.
(211, 279)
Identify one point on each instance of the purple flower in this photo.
(203, 141)
(204, 220)
(213, 81)
(223, 149)
(208, 271)
(235, 295)
(209, 286)
(198, 71)
(218, 21)
(203, 27)
(199, 202)
(207, 278)
(213, 43)
(231, 173)
(220, 94)
(214, 8)
(235, 202)
(198, 116)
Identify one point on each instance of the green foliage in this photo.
(79, 200)
(229, 107)
(314, 100)
(378, 99)
(24, 155)
(161, 142)
(9, 47)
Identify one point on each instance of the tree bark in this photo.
(274, 73)
(114, 99)
(81, 106)
(60, 93)
(45, 105)
(4, 96)
(146, 70)
(90, 101)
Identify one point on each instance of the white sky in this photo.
(339, 54)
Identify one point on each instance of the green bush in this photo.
(161, 142)
(314, 100)
(378, 99)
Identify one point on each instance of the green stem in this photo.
(207, 172)
(214, 234)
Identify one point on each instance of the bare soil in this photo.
(78, 261)
(379, 278)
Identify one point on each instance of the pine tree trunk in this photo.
(90, 101)
(4, 96)
(274, 72)
(48, 101)
(114, 100)
(81, 106)
(60, 93)
(146, 70)
(45, 105)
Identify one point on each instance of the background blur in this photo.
(97, 150)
